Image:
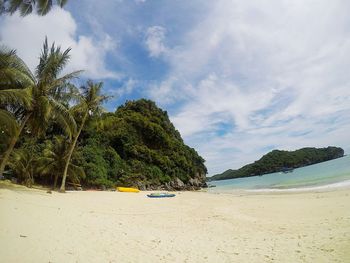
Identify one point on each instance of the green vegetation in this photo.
(138, 146)
(90, 101)
(26, 7)
(33, 100)
(52, 130)
(276, 161)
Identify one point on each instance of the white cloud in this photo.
(154, 41)
(269, 71)
(245, 77)
(127, 88)
(26, 35)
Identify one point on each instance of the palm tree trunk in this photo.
(12, 145)
(63, 185)
(55, 181)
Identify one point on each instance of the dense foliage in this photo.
(32, 101)
(276, 161)
(50, 129)
(137, 146)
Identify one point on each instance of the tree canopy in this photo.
(51, 129)
(137, 145)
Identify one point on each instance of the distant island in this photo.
(282, 161)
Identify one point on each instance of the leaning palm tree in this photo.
(53, 161)
(43, 87)
(89, 104)
(26, 7)
(15, 82)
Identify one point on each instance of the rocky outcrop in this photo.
(195, 183)
(174, 185)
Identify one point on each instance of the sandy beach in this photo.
(192, 227)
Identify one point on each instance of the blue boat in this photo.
(287, 170)
(160, 195)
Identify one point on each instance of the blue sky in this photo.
(238, 78)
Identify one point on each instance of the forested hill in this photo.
(51, 129)
(276, 161)
(139, 146)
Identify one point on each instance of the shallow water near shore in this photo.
(325, 175)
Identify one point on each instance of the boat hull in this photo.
(160, 195)
(128, 190)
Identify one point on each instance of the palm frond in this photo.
(54, 159)
(62, 3)
(20, 97)
(40, 114)
(43, 6)
(93, 97)
(75, 173)
(2, 7)
(26, 7)
(58, 85)
(13, 70)
(64, 117)
(8, 123)
(15, 5)
(22, 162)
(45, 166)
(67, 93)
(51, 62)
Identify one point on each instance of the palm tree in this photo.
(15, 80)
(22, 163)
(89, 104)
(43, 89)
(53, 161)
(26, 7)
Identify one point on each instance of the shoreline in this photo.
(303, 189)
(342, 185)
(326, 187)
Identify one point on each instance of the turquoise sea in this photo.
(330, 174)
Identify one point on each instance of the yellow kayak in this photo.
(128, 189)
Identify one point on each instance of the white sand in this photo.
(191, 227)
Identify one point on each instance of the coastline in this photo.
(326, 187)
(331, 174)
(302, 189)
(191, 227)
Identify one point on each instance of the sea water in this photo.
(334, 173)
